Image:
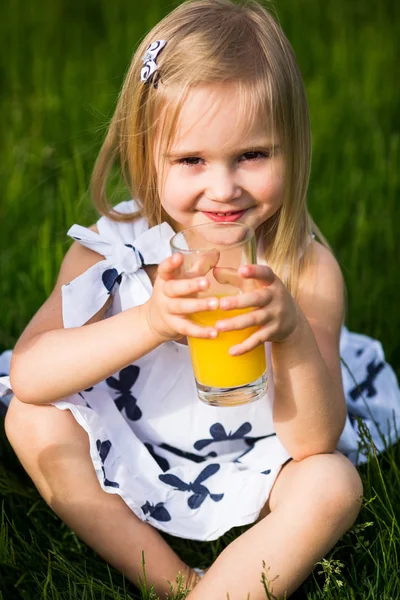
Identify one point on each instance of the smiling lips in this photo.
(228, 217)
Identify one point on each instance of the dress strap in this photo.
(120, 273)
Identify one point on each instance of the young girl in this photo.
(211, 125)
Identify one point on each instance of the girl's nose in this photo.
(222, 185)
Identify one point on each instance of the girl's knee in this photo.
(52, 447)
(31, 429)
(18, 423)
(337, 486)
(326, 485)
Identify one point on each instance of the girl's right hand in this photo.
(174, 300)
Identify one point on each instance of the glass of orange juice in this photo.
(216, 251)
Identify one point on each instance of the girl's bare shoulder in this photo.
(321, 290)
(326, 266)
(77, 260)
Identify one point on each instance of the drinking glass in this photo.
(216, 251)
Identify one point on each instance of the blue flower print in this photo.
(367, 386)
(135, 250)
(218, 434)
(156, 511)
(103, 449)
(3, 406)
(197, 458)
(200, 492)
(125, 400)
(109, 277)
(352, 419)
(83, 397)
(251, 442)
(267, 472)
(160, 460)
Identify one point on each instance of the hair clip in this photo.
(150, 66)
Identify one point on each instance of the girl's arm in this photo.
(309, 404)
(50, 363)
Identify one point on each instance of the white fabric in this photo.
(372, 394)
(200, 572)
(189, 469)
(5, 387)
(121, 258)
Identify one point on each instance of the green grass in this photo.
(62, 63)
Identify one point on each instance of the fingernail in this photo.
(203, 284)
(224, 304)
(212, 304)
(232, 351)
(213, 334)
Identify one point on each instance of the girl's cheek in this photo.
(275, 185)
(270, 189)
(175, 197)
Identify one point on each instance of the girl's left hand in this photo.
(275, 314)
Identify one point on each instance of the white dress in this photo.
(191, 470)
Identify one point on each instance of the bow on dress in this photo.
(120, 272)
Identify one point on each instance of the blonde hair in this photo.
(216, 41)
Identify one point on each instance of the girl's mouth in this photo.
(224, 217)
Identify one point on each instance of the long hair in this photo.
(216, 41)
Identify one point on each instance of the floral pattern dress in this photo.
(189, 469)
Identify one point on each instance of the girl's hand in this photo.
(174, 300)
(275, 313)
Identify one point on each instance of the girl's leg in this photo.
(313, 503)
(54, 450)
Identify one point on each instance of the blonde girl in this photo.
(211, 124)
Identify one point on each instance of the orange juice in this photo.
(213, 365)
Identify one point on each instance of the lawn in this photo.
(61, 65)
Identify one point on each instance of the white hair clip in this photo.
(150, 66)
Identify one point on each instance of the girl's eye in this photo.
(189, 161)
(255, 155)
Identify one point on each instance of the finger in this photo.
(254, 340)
(169, 268)
(186, 306)
(254, 318)
(175, 288)
(200, 264)
(228, 276)
(257, 298)
(189, 328)
(260, 272)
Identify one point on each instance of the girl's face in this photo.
(218, 168)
